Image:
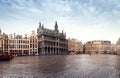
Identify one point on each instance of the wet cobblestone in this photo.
(62, 66)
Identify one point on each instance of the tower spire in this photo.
(56, 26)
(0, 31)
(39, 24)
(56, 23)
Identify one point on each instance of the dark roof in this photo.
(48, 30)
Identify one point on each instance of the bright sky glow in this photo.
(84, 20)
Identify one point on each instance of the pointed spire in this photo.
(65, 34)
(56, 26)
(0, 31)
(25, 36)
(39, 24)
(62, 32)
(14, 35)
(42, 26)
(56, 23)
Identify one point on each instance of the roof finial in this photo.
(62, 31)
(42, 26)
(56, 26)
(39, 24)
(56, 23)
(0, 31)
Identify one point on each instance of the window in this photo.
(33, 46)
(30, 45)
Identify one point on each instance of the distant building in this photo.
(118, 46)
(33, 44)
(98, 46)
(113, 48)
(18, 44)
(5, 43)
(1, 41)
(51, 41)
(75, 46)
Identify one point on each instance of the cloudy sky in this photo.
(84, 20)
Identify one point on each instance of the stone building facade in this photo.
(113, 48)
(51, 41)
(118, 46)
(98, 46)
(1, 39)
(5, 42)
(75, 46)
(19, 45)
(33, 44)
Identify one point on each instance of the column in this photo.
(62, 51)
(58, 51)
(50, 50)
(42, 51)
(47, 50)
(55, 50)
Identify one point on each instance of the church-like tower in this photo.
(56, 27)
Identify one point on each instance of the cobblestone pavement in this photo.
(62, 66)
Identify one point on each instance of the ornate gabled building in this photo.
(19, 45)
(33, 44)
(118, 46)
(1, 41)
(75, 46)
(98, 46)
(5, 42)
(51, 41)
